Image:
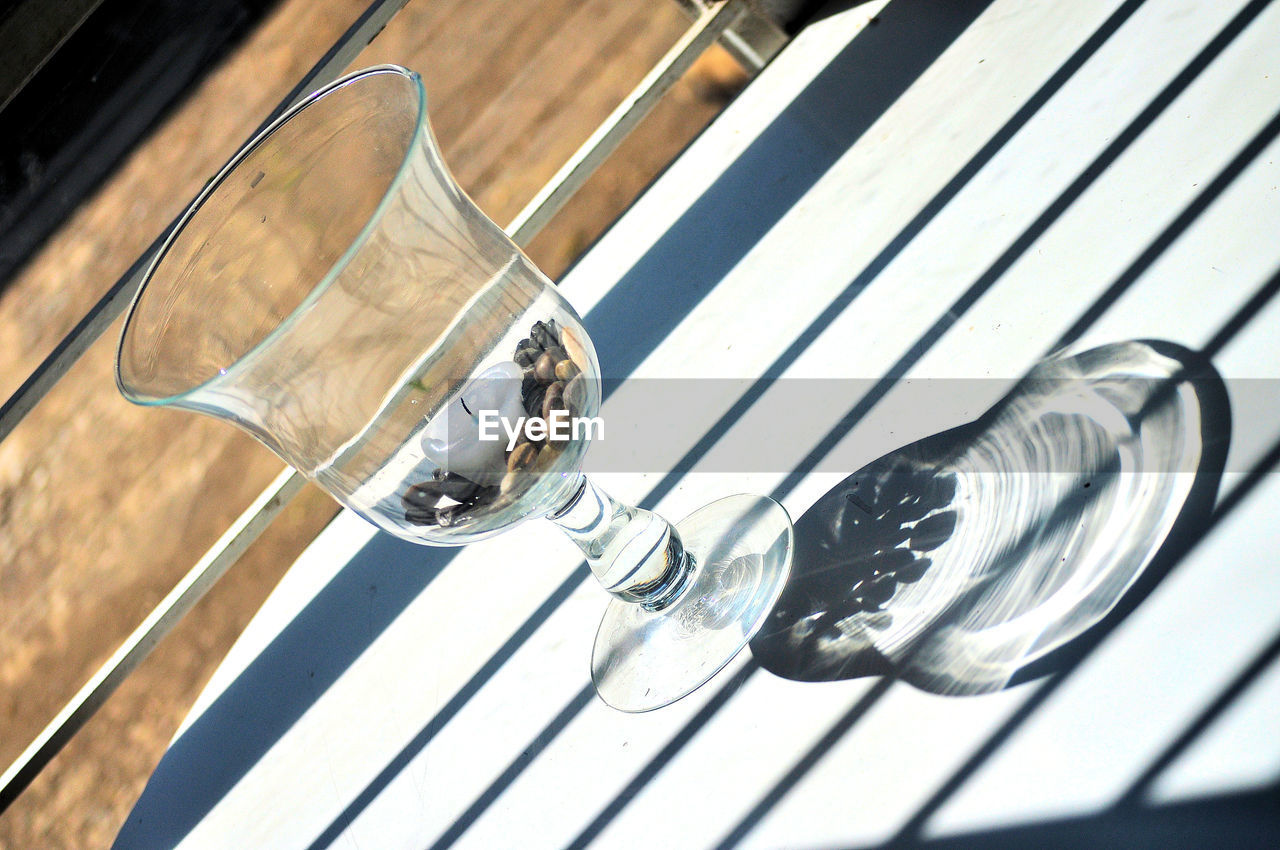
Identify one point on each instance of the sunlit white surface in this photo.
(1078, 751)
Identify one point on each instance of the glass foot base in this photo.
(741, 554)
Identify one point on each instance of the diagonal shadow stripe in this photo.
(665, 755)
(450, 709)
(1170, 234)
(1007, 259)
(1242, 316)
(805, 763)
(1140, 786)
(274, 690)
(530, 752)
(1242, 820)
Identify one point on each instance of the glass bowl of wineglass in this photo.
(334, 293)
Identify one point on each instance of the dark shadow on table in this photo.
(985, 555)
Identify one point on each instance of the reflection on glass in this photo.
(958, 561)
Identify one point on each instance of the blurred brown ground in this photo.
(103, 506)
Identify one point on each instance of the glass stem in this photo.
(635, 554)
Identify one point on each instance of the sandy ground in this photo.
(104, 505)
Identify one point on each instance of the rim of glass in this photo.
(314, 293)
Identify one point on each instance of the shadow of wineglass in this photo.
(984, 555)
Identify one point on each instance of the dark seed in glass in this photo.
(422, 496)
(542, 335)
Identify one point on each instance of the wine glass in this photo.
(334, 293)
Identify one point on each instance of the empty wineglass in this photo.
(334, 293)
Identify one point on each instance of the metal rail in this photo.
(711, 24)
(753, 39)
(185, 594)
(118, 297)
(705, 30)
